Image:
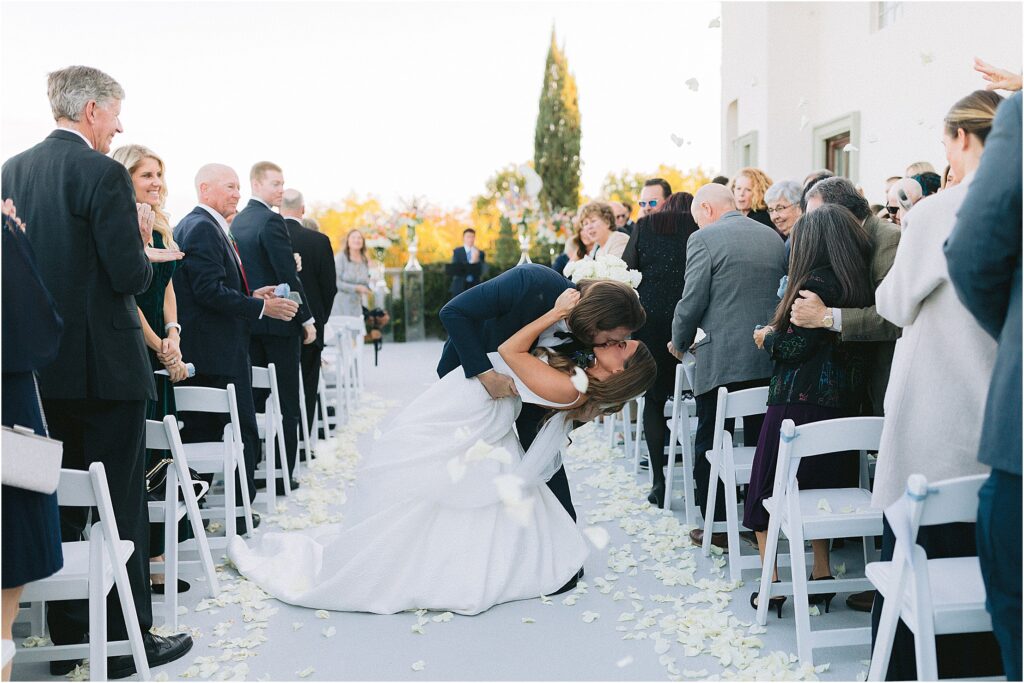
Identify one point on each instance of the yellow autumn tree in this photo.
(627, 185)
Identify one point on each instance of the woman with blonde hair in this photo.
(748, 187)
(158, 310)
(353, 269)
(596, 220)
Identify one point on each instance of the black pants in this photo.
(309, 359)
(960, 655)
(204, 427)
(999, 550)
(283, 352)
(654, 419)
(527, 426)
(113, 433)
(707, 407)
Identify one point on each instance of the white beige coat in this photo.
(943, 363)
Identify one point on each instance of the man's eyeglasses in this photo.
(779, 209)
(621, 343)
(653, 203)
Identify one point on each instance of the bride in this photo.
(448, 512)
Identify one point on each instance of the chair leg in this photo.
(639, 435)
(270, 457)
(801, 603)
(97, 610)
(883, 641)
(205, 556)
(627, 427)
(767, 567)
(688, 494)
(171, 552)
(231, 465)
(247, 495)
(731, 522)
(282, 457)
(709, 519)
(131, 620)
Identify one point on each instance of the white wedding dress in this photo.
(417, 534)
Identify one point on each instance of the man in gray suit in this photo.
(733, 268)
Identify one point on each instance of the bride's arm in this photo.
(542, 379)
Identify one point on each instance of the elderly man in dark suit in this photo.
(983, 254)
(733, 268)
(268, 258)
(217, 309)
(318, 276)
(84, 226)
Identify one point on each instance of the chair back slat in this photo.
(260, 377)
(833, 436)
(75, 489)
(201, 399)
(156, 436)
(745, 402)
(952, 500)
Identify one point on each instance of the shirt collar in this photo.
(78, 133)
(257, 199)
(217, 217)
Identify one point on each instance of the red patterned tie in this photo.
(241, 268)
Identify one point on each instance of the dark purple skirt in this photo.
(819, 472)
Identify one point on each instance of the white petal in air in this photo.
(715, 23)
(580, 380)
(692, 84)
(478, 451)
(850, 148)
(419, 666)
(510, 488)
(597, 535)
(677, 140)
(803, 122)
(926, 57)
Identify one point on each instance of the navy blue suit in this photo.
(482, 318)
(475, 271)
(983, 253)
(216, 314)
(267, 255)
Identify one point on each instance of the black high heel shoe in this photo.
(775, 603)
(819, 598)
(657, 495)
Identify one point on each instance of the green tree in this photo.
(506, 248)
(556, 143)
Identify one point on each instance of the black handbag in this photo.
(156, 481)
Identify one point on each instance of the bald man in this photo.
(733, 268)
(216, 310)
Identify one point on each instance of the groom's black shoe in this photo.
(570, 584)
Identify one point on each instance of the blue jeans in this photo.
(999, 550)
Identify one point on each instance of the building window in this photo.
(836, 159)
(745, 150)
(830, 139)
(887, 13)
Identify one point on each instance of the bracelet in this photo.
(168, 326)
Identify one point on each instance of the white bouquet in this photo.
(604, 267)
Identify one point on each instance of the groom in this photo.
(481, 318)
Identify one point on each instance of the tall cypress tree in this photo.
(556, 143)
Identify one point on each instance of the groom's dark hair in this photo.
(605, 305)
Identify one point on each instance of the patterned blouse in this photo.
(812, 365)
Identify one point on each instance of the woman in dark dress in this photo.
(657, 248)
(31, 337)
(815, 377)
(158, 312)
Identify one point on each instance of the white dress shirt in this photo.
(78, 133)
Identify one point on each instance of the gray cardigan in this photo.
(350, 274)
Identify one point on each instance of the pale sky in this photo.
(392, 99)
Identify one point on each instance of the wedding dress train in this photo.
(433, 522)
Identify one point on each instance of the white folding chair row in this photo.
(270, 424)
(321, 419)
(164, 436)
(91, 569)
(797, 514)
(223, 457)
(732, 466)
(356, 326)
(629, 427)
(932, 597)
(681, 435)
(307, 441)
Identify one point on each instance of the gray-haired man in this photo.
(79, 206)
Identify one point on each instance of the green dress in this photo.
(151, 303)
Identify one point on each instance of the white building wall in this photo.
(794, 63)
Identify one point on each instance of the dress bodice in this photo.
(525, 393)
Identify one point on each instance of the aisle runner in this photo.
(689, 628)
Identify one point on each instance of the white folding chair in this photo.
(337, 370)
(224, 457)
(164, 436)
(799, 515)
(932, 597)
(732, 466)
(680, 430)
(91, 569)
(271, 429)
(307, 442)
(320, 415)
(356, 326)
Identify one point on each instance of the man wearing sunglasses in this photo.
(653, 196)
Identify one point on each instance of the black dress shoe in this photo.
(861, 602)
(183, 587)
(657, 495)
(159, 650)
(240, 522)
(280, 486)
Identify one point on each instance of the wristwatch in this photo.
(828, 320)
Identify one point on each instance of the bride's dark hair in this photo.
(605, 305)
(607, 396)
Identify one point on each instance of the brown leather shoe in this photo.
(721, 540)
(861, 602)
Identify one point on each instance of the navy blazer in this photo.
(983, 253)
(482, 318)
(213, 308)
(79, 211)
(266, 250)
(461, 283)
(318, 274)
